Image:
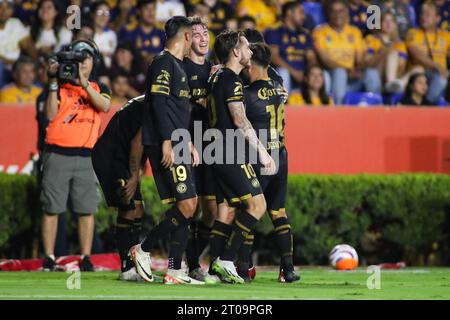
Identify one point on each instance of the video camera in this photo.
(71, 55)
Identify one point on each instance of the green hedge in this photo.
(386, 217)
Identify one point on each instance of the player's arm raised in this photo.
(240, 120)
(136, 152)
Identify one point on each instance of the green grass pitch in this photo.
(316, 283)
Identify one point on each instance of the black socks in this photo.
(219, 236)
(173, 219)
(283, 238)
(124, 241)
(243, 225)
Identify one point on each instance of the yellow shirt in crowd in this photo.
(265, 16)
(296, 100)
(374, 45)
(341, 46)
(438, 43)
(12, 94)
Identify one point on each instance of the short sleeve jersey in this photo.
(166, 78)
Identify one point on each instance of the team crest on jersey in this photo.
(255, 183)
(164, 77)
(302, 39)
(181, 188)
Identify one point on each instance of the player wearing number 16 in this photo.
(166, 109)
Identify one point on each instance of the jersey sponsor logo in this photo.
(265, 93)
(255, 183)
(199, 92)
(163, 77)
(185, 93)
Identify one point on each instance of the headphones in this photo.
(86, 45)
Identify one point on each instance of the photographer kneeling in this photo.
(73, 109)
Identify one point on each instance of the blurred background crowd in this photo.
(327, 52)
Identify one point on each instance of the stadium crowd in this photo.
(327, 52)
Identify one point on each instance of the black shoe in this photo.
(242, 270)
(49, 264)
(288, 276)
(86, 264)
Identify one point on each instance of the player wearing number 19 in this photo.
(167, 109)
(236, 182)
(265, 110)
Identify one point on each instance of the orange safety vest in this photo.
(77, 123)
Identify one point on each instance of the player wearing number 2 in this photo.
(265, 110)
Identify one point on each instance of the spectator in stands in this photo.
(47, 30)
(416, 91)
(123, 13)
(167, 9)
(387, 53)
(220, 12)
(14, 39)
(400, 9)
(119, 88)
(202, 11)
(127, 59)
(429, 47)
(22, 90)
(291, 45)
(25, 10)
(105, 38)
(341, 50)
(145, 36)
(312, 89)
(263, 11)
(73, 110)
(444, 10)
(246, 22)
(358, 14)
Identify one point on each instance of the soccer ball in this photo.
(343, 257)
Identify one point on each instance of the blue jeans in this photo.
(436, 85)
(337, 83)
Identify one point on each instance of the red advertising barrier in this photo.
(344, 140)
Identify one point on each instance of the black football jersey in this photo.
(198, 76)
(165, 78)
(130, 118)
(225, 87)
(264, 108)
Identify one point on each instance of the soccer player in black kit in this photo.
(265, 110)
(236, 182)
(167, 112)
(117, 160)
(198, 70)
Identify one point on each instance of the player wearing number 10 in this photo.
(236, 182)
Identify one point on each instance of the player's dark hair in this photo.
(304, 88)
(175, 24)
(288, 6)
(142, 3)
(262, 55)
(225, 42)
(244, 19)
(253, 36)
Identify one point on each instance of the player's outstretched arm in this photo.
(240, 120)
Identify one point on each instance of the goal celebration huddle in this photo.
(212, 128)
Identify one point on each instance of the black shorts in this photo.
(275, 186)
(110, 162)
(204, 181)
(174, 184)
(235, 183)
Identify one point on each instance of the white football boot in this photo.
(142, 261)
(226, 270)
(179, 277)
(130, 275)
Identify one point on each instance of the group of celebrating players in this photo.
(183, 89)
